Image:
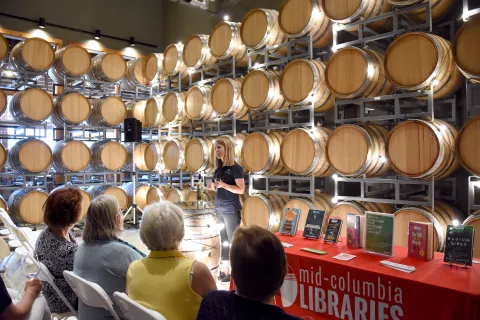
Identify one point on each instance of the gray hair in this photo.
(162, 226)
(100, 222)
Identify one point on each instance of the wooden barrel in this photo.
(107, 66)
(474, 220)
(441, 216)
(173, 61)
(422, 149)
(260, 28)
(72, 61)
(151, 67)
(108, 155)
(354, 150)
(303, 151)
(32, 105)
(199, 155)
(467, 149)
(176, 195)
(198, 105)
(192, 196)
(135, 75)
(226, 98)
(196, 53)
(261, 152)
(353, 72)
(439, 8)
(299, 18)
(107, 112)
(322, 202)
(303, 82)
(3, 155)
(350, 11)
(146, 111)
(264, 211)
(144, 194)
(160, 76)
(145, 156)
(110, 190)
(3, 102)
(33, 55)
(26, 205)
(71, 156)
(225, 42)
(30, 156)
(70, 108)
(466, 49)
(173, 155)
(173, 108)
(261, 91)
(418, 61)
(237, 142)
(3, 49)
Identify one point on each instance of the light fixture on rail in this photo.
(41, 23)
(132, 41)
(226, 17)
(97, 34)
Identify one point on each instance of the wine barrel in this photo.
(237, 142)
(354, 150)
(467, 149)
(72, 61)
(146, 111)
(173, 108)
(261, 91)
(173, 155)
(3, 49)
(198, 105)
(3, 155)
(110, 190)
(151, 67)
(192, 196)
(144, 194)
(466, 49)
(348, 11)
(3, 102)
(107, 66)
(353, 72)
(441, 216)
(226, 98)
(70, 108)
(108, 155)
(30, 156)
(422, 149)
(418, 61)
(173, 61)
(26, 205)
(439, 8)
(225, 42)
(107, 112)
(474, 220)
(145, 156)
(32, 105)
(199, 155)
(260, 28)
(71, 156)
(299, 18)
(303, 82)
(135, 75)
(264, 211)
(176, 195)
(303, 151)
(322, 202)
(86, 198)
(160, 76)
(32, 55)
(196, 53)
(261, 152)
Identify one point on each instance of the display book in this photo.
(379, 233)
(420, 240)
(459, 245)
(355, 231)
(314, 224)
(332, 232)
(289, 223)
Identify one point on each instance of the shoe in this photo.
(226, 278)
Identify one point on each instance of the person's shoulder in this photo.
(219, 295)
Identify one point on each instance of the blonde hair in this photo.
(100, 222)
(229, 158)
(162, 226)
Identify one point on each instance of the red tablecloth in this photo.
(320, 287)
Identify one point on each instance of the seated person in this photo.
(102, 258)
(56, 245)
(258, 265)
(166, 281)
(20, 310)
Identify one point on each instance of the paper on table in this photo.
(344, 256)
(476, 261)
(287, 245)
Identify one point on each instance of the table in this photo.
(320, 287)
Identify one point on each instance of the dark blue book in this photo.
(314, 224)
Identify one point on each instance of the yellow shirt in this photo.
(161, 282)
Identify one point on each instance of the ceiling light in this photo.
(226, 17)
(41, 23)
(132, 41)
(97, 34)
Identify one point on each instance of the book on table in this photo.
(379, 233)
(289, 223)
(314, 224)
(420, 240)
(353, 231)
(334, 227)
(459, 245)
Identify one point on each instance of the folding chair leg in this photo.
(114, 314)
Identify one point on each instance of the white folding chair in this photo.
(133, 310)
(4, 249)
(90, 293)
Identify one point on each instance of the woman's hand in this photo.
(220, 184)
(211, 186)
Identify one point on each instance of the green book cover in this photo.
(459, 245)
(379, 233)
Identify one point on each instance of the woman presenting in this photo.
(229, 184)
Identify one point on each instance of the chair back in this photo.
(90, 293)
(4, 249)
(133, 310)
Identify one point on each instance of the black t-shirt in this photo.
(226, 305)
(226, 201)
(5, 299)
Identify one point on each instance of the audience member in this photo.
(258, 268)
(166, 281)
(20, 310)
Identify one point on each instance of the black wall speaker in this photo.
(132, 130)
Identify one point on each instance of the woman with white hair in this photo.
(166, 281)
